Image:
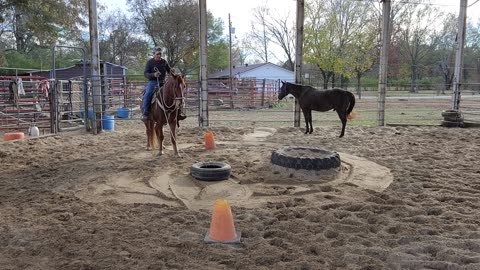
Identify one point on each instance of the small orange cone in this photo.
(209, 141)
(222, 229)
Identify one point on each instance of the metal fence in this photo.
(24, 101)
(66, 105)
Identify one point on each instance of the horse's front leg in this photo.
(173, 135)
(160, 137)
(148, 128)
(310, 121)
(305, 115)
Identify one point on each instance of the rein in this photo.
(162, 103)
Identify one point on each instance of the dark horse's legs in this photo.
(343, 117)
(307, 114)
(310, 121)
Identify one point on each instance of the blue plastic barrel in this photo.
(123, 112)
(90, 113)
(108, 122)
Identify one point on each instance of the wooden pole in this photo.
(382, 82)
(95, 67)
(460, 41)
(299, 56)
(203, 118)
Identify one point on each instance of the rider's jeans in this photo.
(147, 98)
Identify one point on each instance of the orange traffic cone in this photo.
(222, 229)
(209, 141)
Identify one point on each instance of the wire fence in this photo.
(64, 105)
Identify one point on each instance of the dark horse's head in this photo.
(283, 90)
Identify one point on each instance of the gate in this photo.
(24, 101)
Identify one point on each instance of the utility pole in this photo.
(230, 51)
(382, 81)
(298, 56)
(203, 118)
(95, 67)
(460, 41)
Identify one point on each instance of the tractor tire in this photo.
(452, 124)
(305, 158)
(451, 114)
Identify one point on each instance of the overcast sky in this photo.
(241, 10)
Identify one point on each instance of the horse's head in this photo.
(283, 90)
(176, 84)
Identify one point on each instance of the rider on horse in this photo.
(155, 71)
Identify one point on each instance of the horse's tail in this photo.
(154, 142)
(350, 113)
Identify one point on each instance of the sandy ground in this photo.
(405, 198)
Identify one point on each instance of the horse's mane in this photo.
(176, 77)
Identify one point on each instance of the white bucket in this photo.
(33, 131)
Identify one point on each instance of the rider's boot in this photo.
(145, 116)
(181, 115)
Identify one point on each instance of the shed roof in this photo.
(240, 70)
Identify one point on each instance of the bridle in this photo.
(177, 100)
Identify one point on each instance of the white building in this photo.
(267, 71)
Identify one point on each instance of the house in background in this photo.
(255, 85)
(262, 71)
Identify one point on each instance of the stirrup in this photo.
(181, 117)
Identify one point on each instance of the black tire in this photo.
(453, 119)
(452, 123)
(319, 160)
(211, 171)
(451, 114)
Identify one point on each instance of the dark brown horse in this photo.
(165, 109)
(310, 99)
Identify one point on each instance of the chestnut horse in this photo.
(166, 104)
(309, 99)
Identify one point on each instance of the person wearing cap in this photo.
(155, 71)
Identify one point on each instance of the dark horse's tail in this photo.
(351, 98)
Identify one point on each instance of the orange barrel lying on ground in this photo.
(13, 136)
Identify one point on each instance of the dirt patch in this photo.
(60, 197)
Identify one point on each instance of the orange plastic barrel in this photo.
(209, 141)
(13, 136)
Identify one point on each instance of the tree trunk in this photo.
(414, 85)
(325, 79)
(358, 87)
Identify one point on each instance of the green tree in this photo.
(218, 50)
(444, 51)
(417, 38)
(119, 44)
(40, 23)
(173, 25)
(334, 32)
